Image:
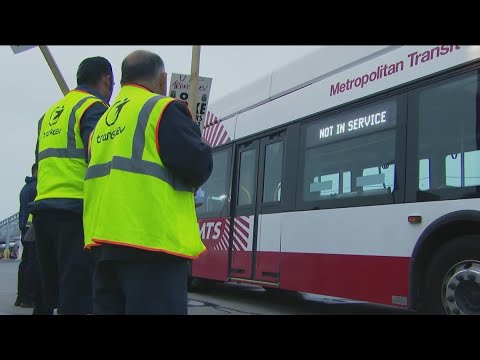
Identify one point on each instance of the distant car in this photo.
(14, 246)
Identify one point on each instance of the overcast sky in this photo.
(28, 89)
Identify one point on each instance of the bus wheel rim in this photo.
(461, 289)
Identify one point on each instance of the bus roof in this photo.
(313, 67)
(329, 77)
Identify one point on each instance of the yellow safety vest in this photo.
(131, 199)
(61, 154)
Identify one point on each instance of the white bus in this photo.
(353, 172)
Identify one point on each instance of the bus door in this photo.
(255, 245)
(243, 216)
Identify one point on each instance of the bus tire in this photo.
(452, 283)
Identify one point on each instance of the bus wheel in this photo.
(453, 279)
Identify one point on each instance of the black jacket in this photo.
(181, 147)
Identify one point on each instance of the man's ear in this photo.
(163, 84)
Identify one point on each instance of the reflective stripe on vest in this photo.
(136, 164)
(61, 153)
(138, 167)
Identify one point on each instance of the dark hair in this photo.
(91, 70)
(34, 168)
(141, 65)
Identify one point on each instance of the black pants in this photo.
(130, 287)
(65, 268)
(26, 273)
(40, 307)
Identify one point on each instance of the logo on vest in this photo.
(55, 116)
(52, 132)
(110, 118)
(110, 135)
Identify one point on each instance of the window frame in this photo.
(413, 192)
(241, 210)
(398, 194)
(226, 207)
(264, 143)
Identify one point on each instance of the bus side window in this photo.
(453, 170)
(327, 186)
(217, 187)
(272, 181)
(447, 115)
(424, 174)
(347, 182)
(378, 177)
(472, 168)
(246, 189)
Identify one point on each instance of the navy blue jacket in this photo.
(27, 195)
(181, 147)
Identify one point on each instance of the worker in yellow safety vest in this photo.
(147, 158)
(63, 131)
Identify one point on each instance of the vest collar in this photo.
(137, 86)
(90, 90)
